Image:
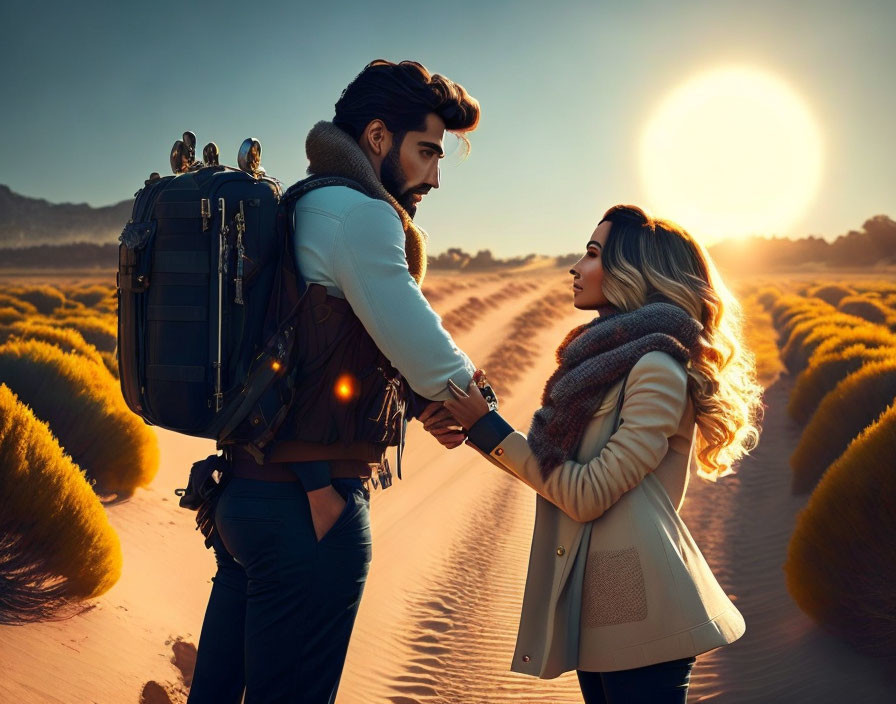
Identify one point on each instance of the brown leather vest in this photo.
(348, 395)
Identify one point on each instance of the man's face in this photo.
(411, 168)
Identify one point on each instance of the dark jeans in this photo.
(663, 683)
(283, 604)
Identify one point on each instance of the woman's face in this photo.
(588, 272)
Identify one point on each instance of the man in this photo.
(293, 545)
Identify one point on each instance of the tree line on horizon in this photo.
(874, 244)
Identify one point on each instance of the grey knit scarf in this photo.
(593, 357)
(332, 152)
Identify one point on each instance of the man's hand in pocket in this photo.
(326, 504)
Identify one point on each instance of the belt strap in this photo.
(266, 472)
(298, 451)
(280, 472)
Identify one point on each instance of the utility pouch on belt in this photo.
(207, 480)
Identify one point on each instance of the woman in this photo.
(616, 588)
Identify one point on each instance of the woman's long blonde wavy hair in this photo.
(647, 259)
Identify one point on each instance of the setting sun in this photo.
(732, 152)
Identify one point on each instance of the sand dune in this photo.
(439, 615)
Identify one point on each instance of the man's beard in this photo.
(393, 179)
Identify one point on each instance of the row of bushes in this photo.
(846, 376)
(67, 441)
(46, 299)
(83, 404)
(56, 543)
(872, 301)
(761, 337)
(841, 561)
(80, 314)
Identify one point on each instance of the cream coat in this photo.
(615, 579)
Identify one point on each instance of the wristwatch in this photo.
(487, 392)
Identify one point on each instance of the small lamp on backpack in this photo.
(249, 157)
(183, 155)
(210, 154)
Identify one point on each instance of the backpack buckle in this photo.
(383, 476)
(205, 209)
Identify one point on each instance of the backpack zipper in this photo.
(240, 254)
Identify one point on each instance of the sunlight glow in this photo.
(731, 152)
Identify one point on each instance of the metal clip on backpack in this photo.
(208, 290)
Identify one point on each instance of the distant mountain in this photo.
(27, 222)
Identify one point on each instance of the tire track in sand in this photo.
(465, 619)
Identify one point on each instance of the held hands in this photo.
(448, 421)
(439, 422)
(468, 406)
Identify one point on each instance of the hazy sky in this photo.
(96, 93)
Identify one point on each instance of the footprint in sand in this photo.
(184, 659)
(154, 693)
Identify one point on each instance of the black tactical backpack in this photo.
(208, 290)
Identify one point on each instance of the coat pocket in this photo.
(613, 590)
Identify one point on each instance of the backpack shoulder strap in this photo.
(300, 188)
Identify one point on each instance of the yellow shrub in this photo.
(58, 545)
(108, 306)
(831, 293)
(881, 288)
(824, 372)
(66, 339)
(72, 308)
(24, 307)
(111, 362)
(864, 307)
(99, 331)
(787, 307)
(869, 335)
(762, 340)
(853, 404)
(92, 295)
(8, 314)
(45, 298)
(809, 334)
(83, 404)
(768, 296)
(841, 562)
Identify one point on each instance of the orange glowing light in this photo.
(275, 365)
(345, 387)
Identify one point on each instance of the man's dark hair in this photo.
(402, 95)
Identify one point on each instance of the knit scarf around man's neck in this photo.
(332, 152)
(593, 357)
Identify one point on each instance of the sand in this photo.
(440, 610)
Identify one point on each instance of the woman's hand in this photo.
(439, 422)
(468, 406)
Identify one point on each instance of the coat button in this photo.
(499, 451)
(561, 551)
(526, 658)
